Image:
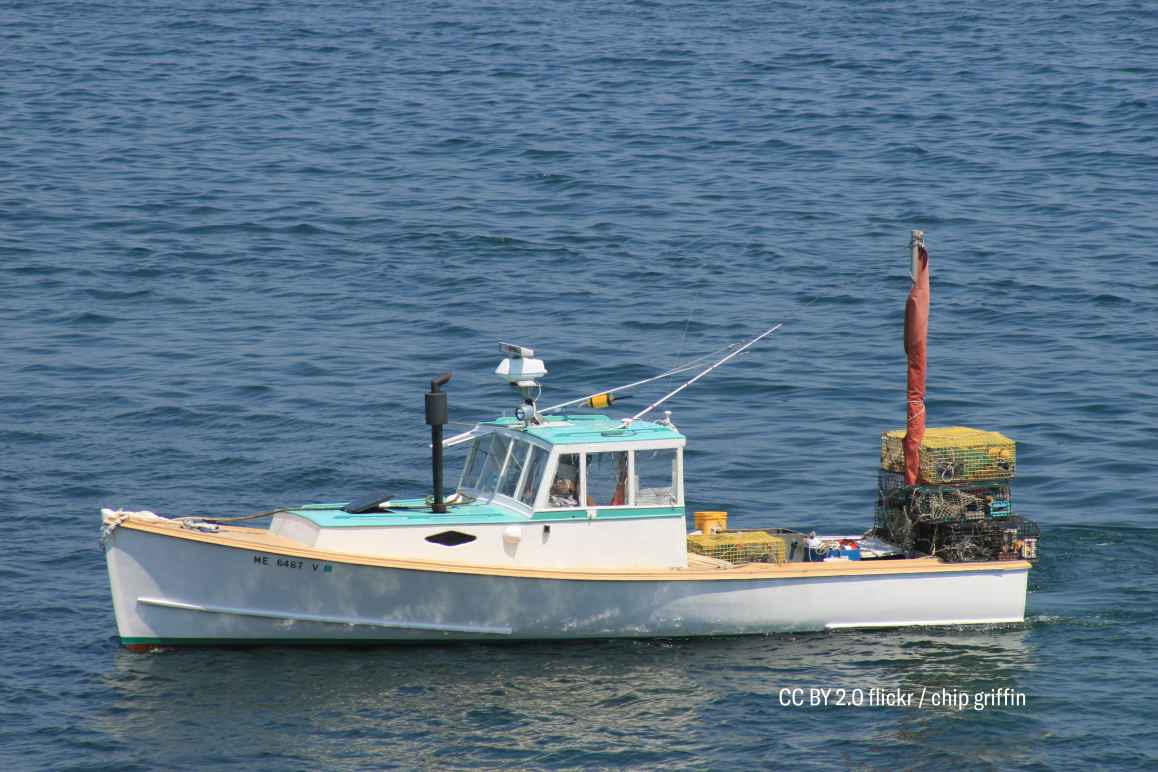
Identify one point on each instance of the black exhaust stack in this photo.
(437, 417)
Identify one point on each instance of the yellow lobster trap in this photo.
(740, 547)
(954, 454)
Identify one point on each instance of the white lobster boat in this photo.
(564, 525)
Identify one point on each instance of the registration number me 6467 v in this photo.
(292, 563)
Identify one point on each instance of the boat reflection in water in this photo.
(567, 703)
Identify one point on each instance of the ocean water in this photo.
(238, 238)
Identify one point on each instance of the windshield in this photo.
(498, 464)
(514, 470)
(487, 455)
(534, 473)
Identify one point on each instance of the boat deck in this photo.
(699, 567)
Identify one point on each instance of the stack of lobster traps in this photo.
(961, 508)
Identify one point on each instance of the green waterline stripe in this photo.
(435, 636)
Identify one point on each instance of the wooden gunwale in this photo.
(257, 540)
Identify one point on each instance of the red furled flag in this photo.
(916, 334)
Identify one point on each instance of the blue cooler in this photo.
(852, 553)
(817, 556)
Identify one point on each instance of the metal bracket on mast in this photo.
(915, 243)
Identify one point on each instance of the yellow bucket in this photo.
(710, 522)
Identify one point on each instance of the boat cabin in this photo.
(577, 463)
(563, 491)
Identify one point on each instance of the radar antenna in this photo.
(522, 371)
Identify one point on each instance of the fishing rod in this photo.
(628, 421)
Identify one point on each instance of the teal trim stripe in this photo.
(624, 513)
(472, 514)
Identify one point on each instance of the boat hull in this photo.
(175, 588)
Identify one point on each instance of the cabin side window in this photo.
(655, 475)
(535, 468)
(607, 479)
(565, 487)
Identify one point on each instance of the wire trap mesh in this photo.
(740, 547)
(942, 503)
(962, 508)
(1013, 538)
(954, 454)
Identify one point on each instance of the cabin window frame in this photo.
(489, 495)
(472, 488)
(466, 464)
(513, 502)
(677, 468)
(527, 471)
(543, 499)
(627, 496)
(526, 444)
(515, 443)
(582, 479)
(557, 451)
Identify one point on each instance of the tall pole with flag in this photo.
(916, 336)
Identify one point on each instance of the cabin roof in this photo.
(586, 429)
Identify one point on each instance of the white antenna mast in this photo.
(628, 421)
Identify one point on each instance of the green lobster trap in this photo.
(943, 503)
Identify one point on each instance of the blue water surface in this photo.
(238, 238)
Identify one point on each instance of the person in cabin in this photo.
(565, 489)
(564, 494)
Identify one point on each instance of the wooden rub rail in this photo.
(236, 537)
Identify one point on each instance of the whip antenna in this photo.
(628, 421)
(674, 371)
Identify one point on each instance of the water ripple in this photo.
(241, 238)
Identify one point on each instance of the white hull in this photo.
(175, 587)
